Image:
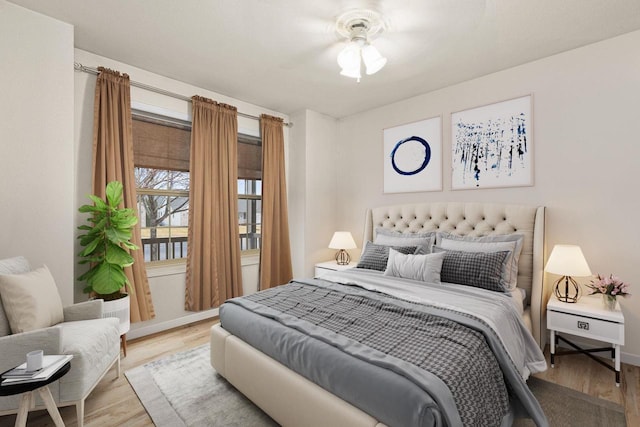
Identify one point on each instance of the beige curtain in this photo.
(213, 262)
(113, 161)
(275, 252)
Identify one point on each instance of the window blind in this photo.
(160, 146)
(165, 145)
(249, 157)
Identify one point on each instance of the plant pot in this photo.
(609, 302)
(119, 308)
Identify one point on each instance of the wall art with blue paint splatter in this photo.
(413, 157)
(491, 146)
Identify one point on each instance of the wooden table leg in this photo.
(123, 340)
(45, 394)
(23, 410)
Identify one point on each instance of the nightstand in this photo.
(589, 319)
(328, 266)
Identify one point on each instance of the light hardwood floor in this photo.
(114, 403)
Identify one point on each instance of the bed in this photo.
(367, 386)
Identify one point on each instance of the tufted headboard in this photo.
(478, 219)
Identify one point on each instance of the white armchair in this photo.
(93, 341)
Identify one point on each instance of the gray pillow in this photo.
(424, 240)
(479, 269)
(374, 256)
(492, 243)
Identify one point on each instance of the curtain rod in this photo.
(79, 67)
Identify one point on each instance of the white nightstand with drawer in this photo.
(589, 319)
(328, 266)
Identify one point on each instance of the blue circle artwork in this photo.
(425, 161)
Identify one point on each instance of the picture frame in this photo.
(492, 145)
(413, 156)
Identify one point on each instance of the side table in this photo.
(28, 389)
(589, 319)
(322, 268)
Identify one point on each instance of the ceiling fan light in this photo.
(376, 66)
(358, 26)
(372, 59)
(353, 72)
(349, 57)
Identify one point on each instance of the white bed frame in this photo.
(292, 400)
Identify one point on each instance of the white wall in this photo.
(297, 191)
(322, 188)
(167, 283)
(314, 188)
(36, 142)
(586, 147)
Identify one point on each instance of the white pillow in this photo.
(425, 268)
(423, 240)
(31, 300)
(495, 243)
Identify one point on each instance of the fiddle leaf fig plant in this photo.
(106, 242)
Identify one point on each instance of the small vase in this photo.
(609, 302)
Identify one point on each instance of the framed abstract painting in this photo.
(492, 145)
(413, 157)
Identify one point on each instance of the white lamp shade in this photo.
(349, 57)
(567, 260)
(342, 240)
(354, 53)
(372, 59)
(349, 61)
(352, 72)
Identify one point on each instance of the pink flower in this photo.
(611, 285)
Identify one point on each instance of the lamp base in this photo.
(342, 257)
(569, 292)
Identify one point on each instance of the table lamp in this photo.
(567, 261)
(342, 240)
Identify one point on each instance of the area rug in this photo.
(184, 390)
(565, 407)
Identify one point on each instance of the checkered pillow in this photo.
(374, 257)
(479, 269)
(492, 243)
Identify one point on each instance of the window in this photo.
(161, 157)
(249, 192)
(163, 204)
(249, 213)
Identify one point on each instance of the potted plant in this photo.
(107, 241)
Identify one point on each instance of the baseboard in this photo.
(142, 331)
(630, 359)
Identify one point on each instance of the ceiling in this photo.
(281, 54)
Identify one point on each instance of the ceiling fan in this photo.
(399, 32)
(360, 26)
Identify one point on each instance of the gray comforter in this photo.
(405, 362)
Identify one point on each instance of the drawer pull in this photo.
(583, 325)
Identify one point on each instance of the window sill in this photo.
(250, 259)
(181, 267)
(166, 269)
